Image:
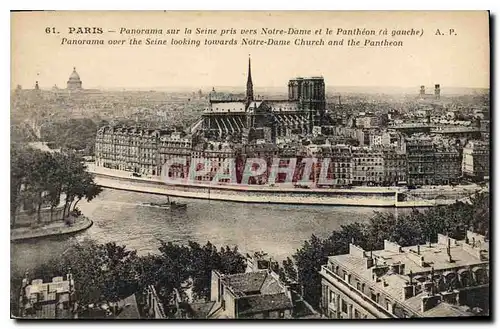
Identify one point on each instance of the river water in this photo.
(120, 216)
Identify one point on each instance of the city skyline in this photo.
(423, 60)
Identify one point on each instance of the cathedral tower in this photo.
(249, 83)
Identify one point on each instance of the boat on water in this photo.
(172, 205)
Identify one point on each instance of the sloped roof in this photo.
(200, 310)
(263, 303)
(245, 282)
(443, 310)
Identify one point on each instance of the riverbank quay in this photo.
(52, 229)
(358, 196)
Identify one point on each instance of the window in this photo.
(344, 306)
(357, 315)
(266, 314)
(282, 314)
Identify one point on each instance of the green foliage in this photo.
(72, 134)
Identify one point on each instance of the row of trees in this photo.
(416, 227)
(72, 134)
(40, 179)
(109, 272)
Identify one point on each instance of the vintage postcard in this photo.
(250, 165)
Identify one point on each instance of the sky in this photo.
(461, 60)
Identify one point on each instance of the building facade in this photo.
(447, 279)
(395, 166)
(448, 165)
(368, 166)
(476, 160)
(421, 160)
(253, 295)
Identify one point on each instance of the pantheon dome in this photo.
(74, 81)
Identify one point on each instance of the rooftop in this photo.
(253, 283)
(392, 269)
(261, 303)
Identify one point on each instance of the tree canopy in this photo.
(41, 179)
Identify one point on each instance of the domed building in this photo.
(74, 81)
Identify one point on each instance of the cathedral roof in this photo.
(74, 75)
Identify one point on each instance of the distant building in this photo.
(460, 132)
(448, 164)
(49, 300)
(368, 121)
(386, 138)
(74, 82)
(445, 279)
(476, 160)
(252, 118)
(367, 166)
(334, 164)
(395, 166)
(421, 159)
(435, 96)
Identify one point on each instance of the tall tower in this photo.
(437, 91)
(422, 91)
(249, 83)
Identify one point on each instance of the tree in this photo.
(40, 178)
(102, 272)
(231, 261)
(309, 259)
(174, 270)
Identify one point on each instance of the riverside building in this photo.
(476, 160)
(449, 278)
(294, 128)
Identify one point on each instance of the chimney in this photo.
(369, 262)
(408, 291)
(418, 249)
(402, 269)
(429, 302)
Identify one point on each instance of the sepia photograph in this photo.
(278, 165)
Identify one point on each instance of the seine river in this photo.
(120, 216)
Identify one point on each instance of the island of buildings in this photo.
(365, 149)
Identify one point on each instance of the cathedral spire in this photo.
(249, 82)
